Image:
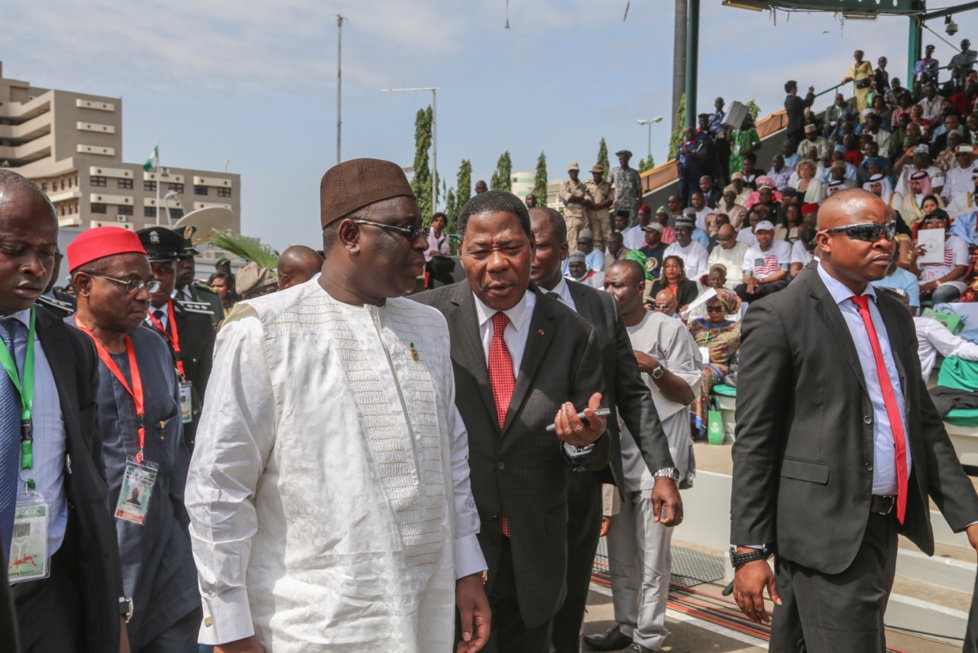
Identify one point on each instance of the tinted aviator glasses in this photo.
(410, 231)
(132, 285)
(868, 232)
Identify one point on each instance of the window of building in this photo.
(100, 182)
(200, 190)
(224, 192)
(177, 188)
(149, 211)
(176, 214)
(125, 183)
(44, 186)
(149, 186)
(99, 208)
(125, 209)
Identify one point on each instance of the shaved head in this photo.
(632, 271)
(544, 215)
(298, 264)
(844, 207)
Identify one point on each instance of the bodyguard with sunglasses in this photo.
(838, 444)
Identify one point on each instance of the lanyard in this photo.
(25, 389)
(135, 391)
(174, 338)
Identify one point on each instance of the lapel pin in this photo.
(540, 332)
(413, 352)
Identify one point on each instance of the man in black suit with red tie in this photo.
(79, 606)
(838, 444)
(522, 362)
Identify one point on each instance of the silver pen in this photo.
(600, 412)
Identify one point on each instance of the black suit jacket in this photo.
(795, 107)
(803, 457)
(626, 392)
(90, 539)
(197, 337)
(520, 471)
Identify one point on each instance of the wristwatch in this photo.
(125, 607)
(668, 472)
(657, 373)
(738, 559)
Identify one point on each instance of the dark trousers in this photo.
(583, 530)
(49, 612)
(794, 137)
(762, 291)
(723, 161)
(509, 634)
(838, 613)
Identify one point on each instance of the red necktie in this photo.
(501, 377)
(892, 409)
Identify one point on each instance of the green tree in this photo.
(540, 180)
(463, 186)
(753, 110)
(603, 157)
(451, 211)
(421, 182)
(646, 164)
(679, 134)
(502, 178)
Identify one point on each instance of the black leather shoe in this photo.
(613, 640)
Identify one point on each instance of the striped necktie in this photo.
(9, 442)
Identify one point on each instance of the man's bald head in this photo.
(298, 264)
(665, 302)
(632, 271)
(29, 235)
(847, 207)
(546, 217)
(12, 184)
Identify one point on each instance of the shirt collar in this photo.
(838, 290)
(517, 315)
(165, 308)
(24, 317)
(562, 291)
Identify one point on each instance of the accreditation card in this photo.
(186, 402)
(29, 545)
(136, 492)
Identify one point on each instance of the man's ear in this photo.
(348, 233)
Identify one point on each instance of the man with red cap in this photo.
(67, 590)
(329, 492)
(139, 412)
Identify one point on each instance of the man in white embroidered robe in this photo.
(329, 491)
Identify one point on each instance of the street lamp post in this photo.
(434, 136)
(643, 122)
(166, 203)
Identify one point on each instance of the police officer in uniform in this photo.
(186, 326)
(187, 288)
(573, 196)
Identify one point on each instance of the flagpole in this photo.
(158, 182)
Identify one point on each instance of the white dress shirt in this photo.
(694, 256)
(562, 293)
(934, 338)
(884, 447)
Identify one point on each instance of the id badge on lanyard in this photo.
(29, 544)
(186, 402)
(137, 490)
(29, 558)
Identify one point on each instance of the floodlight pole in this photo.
(339, 82)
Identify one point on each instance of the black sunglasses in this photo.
(868, 232)
(410, 231)
(714, 309)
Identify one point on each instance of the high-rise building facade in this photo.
(70, 144)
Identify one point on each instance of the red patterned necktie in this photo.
(501, 377)
(892, 409)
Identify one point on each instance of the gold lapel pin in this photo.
(413, 352)
(540, 332)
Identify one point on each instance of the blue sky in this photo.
(256, 82)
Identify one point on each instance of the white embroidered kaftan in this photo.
(329, 489)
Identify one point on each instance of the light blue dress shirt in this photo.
(884, 447)
(50, 446)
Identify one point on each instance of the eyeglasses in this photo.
(662, 307)
(714, 309)
(132, 285)
(409, 231)
(869, 232)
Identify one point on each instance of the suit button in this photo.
(868, 419)
(495, 517)
(501, 466)
(869, 467)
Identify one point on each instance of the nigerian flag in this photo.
(153, 161)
